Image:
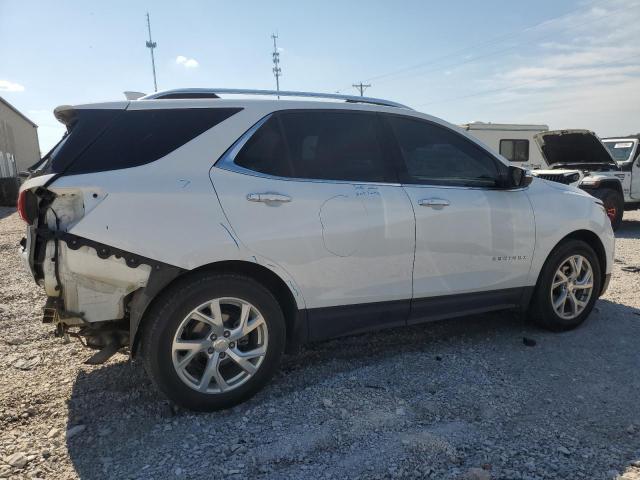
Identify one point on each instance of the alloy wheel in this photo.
(220, 345)
(572, 287)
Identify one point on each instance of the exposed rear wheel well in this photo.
(295, 324)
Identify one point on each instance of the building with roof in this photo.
(19, 149)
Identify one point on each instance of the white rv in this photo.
(513, 141)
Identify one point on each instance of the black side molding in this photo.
(447, 306)
(331, 322)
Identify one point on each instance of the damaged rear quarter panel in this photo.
(96, 287)
(165, 211)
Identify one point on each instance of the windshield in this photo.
(620, 151)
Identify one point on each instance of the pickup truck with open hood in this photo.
(608, 169)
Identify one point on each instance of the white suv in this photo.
(211, 235)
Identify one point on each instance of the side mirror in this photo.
(518, 177)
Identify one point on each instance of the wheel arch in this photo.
(295, 318)
(591, 239)
(612, 184)
(605, 184)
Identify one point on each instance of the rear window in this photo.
(101, 140)
(265, 152)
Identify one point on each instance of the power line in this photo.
(497, 52)
(277, 71)
(361, 86)
(486, 43)
(151, 45)
(523, 84)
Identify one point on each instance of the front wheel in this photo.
(213, 341)
(568, 287)
(613, 204)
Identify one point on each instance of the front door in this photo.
(474, 241)
(312, 192)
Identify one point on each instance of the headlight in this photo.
(590, 182)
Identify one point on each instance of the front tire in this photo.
(613, 204)
(568, 287)
(213, 340)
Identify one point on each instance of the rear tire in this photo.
(194, 344)
(613, 205)
(547, 308)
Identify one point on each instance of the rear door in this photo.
(474, 241)
(314, 192)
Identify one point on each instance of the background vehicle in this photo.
(572, 157)
(208, 235)
(579, 158)
(513, 141)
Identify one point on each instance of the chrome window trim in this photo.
(227, 162)
(462, 187)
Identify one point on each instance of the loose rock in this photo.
(17, 460)
(477, 474)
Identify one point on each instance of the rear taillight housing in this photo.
(27, 206)
(21, 205)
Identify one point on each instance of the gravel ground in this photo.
(460, 399)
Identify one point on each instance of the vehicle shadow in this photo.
(629, 229)
(6, 211)
(132, 432)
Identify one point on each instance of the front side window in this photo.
(322, 145)
(435, 155)
(515, 150)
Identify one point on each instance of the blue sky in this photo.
(569, 64)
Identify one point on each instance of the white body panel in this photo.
(483, 240)
(334, 243)
(553, 223)
(344, 243)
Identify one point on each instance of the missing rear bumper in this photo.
(90, 283)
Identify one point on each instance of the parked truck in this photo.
(609, 169)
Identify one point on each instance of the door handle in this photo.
(268, 197)
(433, 202)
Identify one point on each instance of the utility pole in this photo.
(361, 86)
(277, 71)
(151, 45)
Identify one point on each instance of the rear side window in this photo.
(323, 145)
(265, 152)
(103, 140)
(434, 155)
(515, 150)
